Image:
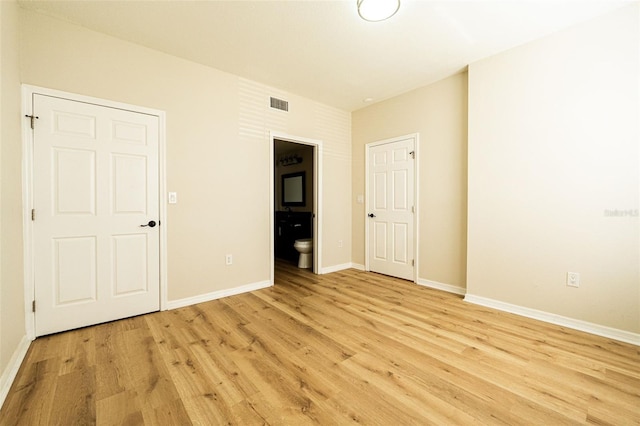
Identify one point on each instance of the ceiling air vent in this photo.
(279, 104)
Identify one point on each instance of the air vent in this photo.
(279, 104)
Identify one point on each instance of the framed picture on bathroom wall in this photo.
(293, 189)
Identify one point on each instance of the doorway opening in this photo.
(295, 203)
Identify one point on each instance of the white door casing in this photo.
(95, 182)
(391, 207)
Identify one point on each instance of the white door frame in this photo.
(28, 92)
(317, 197)
(367, 147)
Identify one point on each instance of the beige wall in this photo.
(438, 113)
(553, 146)
(217, 148)
(12, 326)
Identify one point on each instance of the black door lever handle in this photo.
(151, 224)
(371, 215)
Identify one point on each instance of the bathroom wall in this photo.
(284, 149)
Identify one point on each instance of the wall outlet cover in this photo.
(573, 279)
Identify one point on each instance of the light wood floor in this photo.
(348, 347)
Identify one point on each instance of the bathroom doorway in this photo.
(295, 200)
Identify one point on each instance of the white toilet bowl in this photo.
(305, 248)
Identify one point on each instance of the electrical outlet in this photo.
(339, 243)
(229, 259)
(573, 279)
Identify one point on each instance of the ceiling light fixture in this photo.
(377, 10)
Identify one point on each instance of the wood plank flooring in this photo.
(343, 348)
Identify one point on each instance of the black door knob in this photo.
(151, 224)
(371, 215)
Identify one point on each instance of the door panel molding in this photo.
(80, 125)
(381, 159)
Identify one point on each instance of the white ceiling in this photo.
(321, 49)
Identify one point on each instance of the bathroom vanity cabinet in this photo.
(291, 226)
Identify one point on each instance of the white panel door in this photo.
(390, 208)
(95, 185)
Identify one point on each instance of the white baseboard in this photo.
(9, 373)
(336, 268)
(357, 266)
(440, 286)
(180, 303)
(599, 330)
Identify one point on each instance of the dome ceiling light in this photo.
(377, 10)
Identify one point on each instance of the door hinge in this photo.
(413, 209)
(413, 262)
(33, 306)
(412, 154)
(33, 214)
(32, 117)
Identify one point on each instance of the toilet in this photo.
(305, 248)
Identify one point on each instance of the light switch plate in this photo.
(173, 197)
